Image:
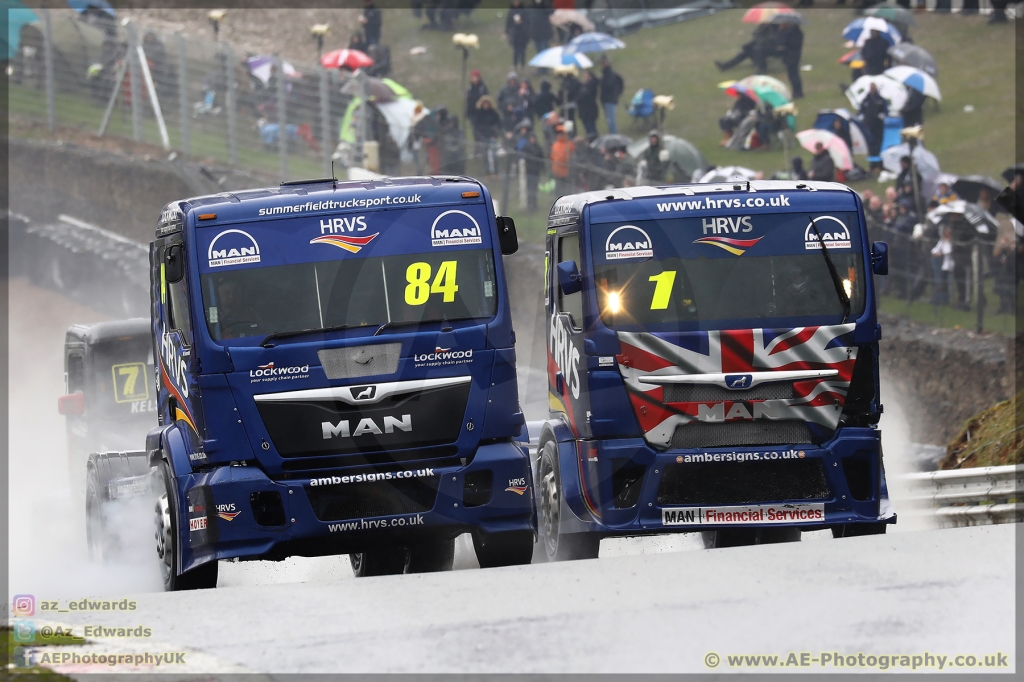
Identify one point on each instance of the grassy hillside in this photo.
(990, 438)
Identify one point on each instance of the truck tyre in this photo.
(853, 530)
(559, 546)
(431, 557)
(199, 578)
(513, 548)
(101, 544)
(382, 561)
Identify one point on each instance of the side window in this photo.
(176, 307)
(76, 373)
(569, 250)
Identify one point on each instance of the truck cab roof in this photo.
(104, 331)
(309, 197)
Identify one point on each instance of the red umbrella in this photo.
(766, 12)
(347, 59)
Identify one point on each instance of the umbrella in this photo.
(916, 79)
(918, 57)
(681, 153)
(927, 165)
(594, 42)
(17, 16)
(566, 17)
(606, 142)
(766, 12)
(761, 95)
(858, 135)
(946, 178)
(968, 187)
(727, 173)
(347, 59)
(1012, 171)
(554, 57)
(262, 65)
(835, 145)
(82, 5)
(859, 30)
(849, 56)
(983, 221)
(378, 89)
(898, 16)
(892, 90)
(765, 83)
(401, 115)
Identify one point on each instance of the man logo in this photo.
(363, 392)
(233, 247)
(455, 228)
(833, 231)
(738, 381)
(628, 241)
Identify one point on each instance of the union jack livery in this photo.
(729, 390)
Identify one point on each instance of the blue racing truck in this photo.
(335, 374)
(712, 366)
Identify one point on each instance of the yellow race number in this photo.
(662, 289)
(420, 286)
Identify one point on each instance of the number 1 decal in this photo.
(662, 289)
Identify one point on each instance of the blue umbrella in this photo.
(859, 30)
(553, 57)
(82, 5)
(17, 16)
(593, 42)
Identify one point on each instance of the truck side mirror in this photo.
(569, 278)
(880, 258)
(507, 238)
(174, 260)
(71, 404)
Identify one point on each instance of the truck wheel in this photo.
(199, 578)
(101, 544)
(559, 546)
(513, 548)
(432, 557)
(385, 561)
(853, 530)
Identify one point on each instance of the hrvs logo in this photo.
(233, 247)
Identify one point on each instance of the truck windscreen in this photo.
(721, 272)
(356, 292)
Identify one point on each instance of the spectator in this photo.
(905, 181)
(477, 89)
(568, 94)
(586, 104)
(371, 19)
(357, 42)
(843, 132)
(612, 86)
(540, 24)
(546, 100)
(762, 44)
(656, 166)
(942, 267)
(998, 12)
(797, 164)
(1003, 259)
(524, 106)
(913, 111)
(875, 215)
(822, 166)
(875, 54)
(508, 96)
(517, 31)
(944, 194)
(791, 47)
(453, 147)
(487, 123)
(562, 150)
(873, 110)
(739, 111)
(533, 154)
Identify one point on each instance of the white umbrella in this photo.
(982, 220)
(916, 79)
(892, 90)
(727, 173)
(556, 57)
(927, 165)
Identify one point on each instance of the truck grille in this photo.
(743, 482)
(706, 435)
(368, 500)
(360, 361)
(709, 393)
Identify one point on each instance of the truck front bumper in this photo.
(238, 512)
(630, 488)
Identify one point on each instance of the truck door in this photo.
(567, 371)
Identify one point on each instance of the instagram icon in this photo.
(24, 605)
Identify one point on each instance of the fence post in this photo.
(186, 141)
(979, 292)
(282, 118)
(231, 103)
(51, 94)
(325, 121)
(133, 83)
(524, 191)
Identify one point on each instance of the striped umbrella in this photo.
(859, 30)
(554, 57)
(766, 12)
(593, 42)
(916, 79)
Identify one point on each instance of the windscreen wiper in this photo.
(297, 332)
(392, 325)
(836, 280)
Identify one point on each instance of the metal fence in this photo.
(968, 497)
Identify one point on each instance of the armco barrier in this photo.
(967, 497)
